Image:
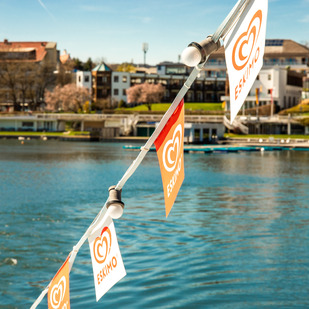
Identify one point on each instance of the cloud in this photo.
(305, 19)
(95, 8)
(46, 9)
(146, 20)
(142, 19)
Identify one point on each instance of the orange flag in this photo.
(59, 292)
(169, 146)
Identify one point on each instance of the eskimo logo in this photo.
(171, 150)
(57, 293)
(102, 245)
(246, 42)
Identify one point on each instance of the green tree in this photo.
(77, 64)
(88, 65)
(126, 67)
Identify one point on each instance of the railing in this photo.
(141, 117)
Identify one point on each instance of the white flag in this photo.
(107, 262)
(244, 51)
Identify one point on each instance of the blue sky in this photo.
(114, 30)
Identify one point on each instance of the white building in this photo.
(83, 79)
(120, 82)
(203, 132)
(281, 86)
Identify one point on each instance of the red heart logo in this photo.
(57, 293)
(171, 150)
(245, 43)
(102, 245)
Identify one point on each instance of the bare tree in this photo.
(8, 81)
(26, 82)
(44, 79)
(64, 75)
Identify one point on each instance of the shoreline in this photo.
(225, 145)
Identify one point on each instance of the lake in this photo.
(237, 236)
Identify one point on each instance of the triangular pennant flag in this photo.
(244, 51)
(59, 291)
(169, 146)
(107, 262)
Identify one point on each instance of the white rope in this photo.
(159, 128)
(230, 20)
(128, 174)
(222, 30)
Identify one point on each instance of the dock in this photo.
(226, 148)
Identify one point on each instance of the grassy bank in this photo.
(163, 107)
(30, 133)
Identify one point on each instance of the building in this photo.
(101, 82)
(205, 89)
(282, 59)
(31, 123)
(37, 52)
(278, 86)
(65, 57)
(84, 79)
(121, 81)
(27, 70)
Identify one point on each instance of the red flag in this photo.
(169, 146)
(59, 292)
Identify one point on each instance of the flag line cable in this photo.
(221, 31)
(230, 19)
(130, 171)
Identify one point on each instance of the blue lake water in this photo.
(237, 236)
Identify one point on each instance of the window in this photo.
(116, 91)
(100, 94)
(79, 78)
(27, 124)
(116, 79)
(86, 79)
(269, 76)
(205, 134)
(124, 79)
(196, 134)
(124, 92)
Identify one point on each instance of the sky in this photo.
(115, 30)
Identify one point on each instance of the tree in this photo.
(65, 73)
(8, 81)
(126, 67)
(88, 65)
(145, 93)
(68, 98)
(25, 83)
(44, 79)
(77, 64)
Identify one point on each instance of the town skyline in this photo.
(114, 32)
